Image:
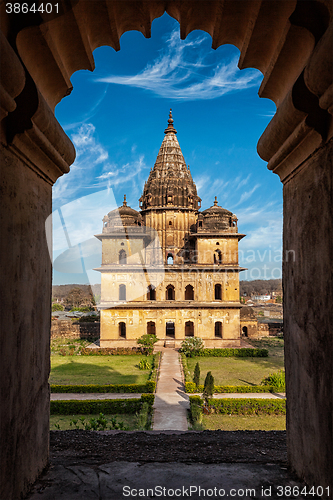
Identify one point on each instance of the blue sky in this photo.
(116, 118)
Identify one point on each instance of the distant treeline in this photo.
(256, 287)
(60, 292)
(260, 287)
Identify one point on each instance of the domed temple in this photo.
(170, 269)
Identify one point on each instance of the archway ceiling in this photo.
(289, 41)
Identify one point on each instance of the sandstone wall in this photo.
(74, 329)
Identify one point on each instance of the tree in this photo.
(57, 307)
(196, 374)
(147, 342)
(192, 346)
(208, 387)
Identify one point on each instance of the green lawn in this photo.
(102, 370)
(244, 422)
(242, 371)
(63, 421)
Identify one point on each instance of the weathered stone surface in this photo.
(74, 330)
(308, 317)
(26, 316)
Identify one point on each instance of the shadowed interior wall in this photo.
(26, 306)
(307, 282)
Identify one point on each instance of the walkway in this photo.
(171, 402)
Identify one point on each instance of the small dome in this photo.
(216, 211)
(122, 216)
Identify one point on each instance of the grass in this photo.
(63, 421)
(78, 370)
(68, 346)
(242, 371)
(244, 422)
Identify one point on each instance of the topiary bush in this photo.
(196, 374)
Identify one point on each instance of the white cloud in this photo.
(180, 72)
(92, 170)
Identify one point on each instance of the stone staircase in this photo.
(169, 343)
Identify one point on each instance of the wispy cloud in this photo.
(93, 171)
(181, 72)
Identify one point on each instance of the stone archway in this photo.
(290, 42)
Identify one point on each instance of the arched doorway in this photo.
(218, 291)
(122, 257)
(244, 331)
(122, 292)
(189, 329)
(151, 328)
(170, 292)
(189, 292)
(218, 329)
(170, 329)
(151, 293)
(122, 330)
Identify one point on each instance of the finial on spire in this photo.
(124, 202)
(170, 127)
(215, 202)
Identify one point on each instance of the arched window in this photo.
(244, 331)
(218, 292)
(122, 257)
(151, 293)
(122, 292)
(170, 292)
(170, 223)
(170, 259)
(189, 292)
(218, 329)
(217, 257)
(189, 329)
(122, 330)
(151, 328)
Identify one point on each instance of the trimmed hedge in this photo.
(243, 406)
(111, 351)
(112, 388)
(148, 387)
(190, 387)
(106, 406)
(229, 351)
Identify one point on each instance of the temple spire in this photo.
(170, 128)
(124, 202)
(215, 201)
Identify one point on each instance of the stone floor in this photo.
(117, 480)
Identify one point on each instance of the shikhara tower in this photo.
(170, 269)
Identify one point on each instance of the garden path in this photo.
(171, 401)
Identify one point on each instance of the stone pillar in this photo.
(308, 319)
(26, 305)
(34, 153)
